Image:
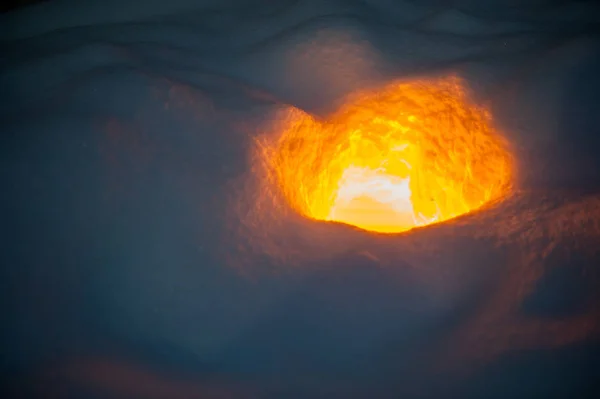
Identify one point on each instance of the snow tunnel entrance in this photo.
(408, 155)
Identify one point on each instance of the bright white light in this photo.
(373, 198)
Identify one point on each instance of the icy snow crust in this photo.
(130, 250)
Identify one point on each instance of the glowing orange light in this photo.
(409, 155)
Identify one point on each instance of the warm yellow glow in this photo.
(409, 155)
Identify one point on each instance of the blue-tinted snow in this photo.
(128, 265)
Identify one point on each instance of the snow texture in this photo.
(130, 267)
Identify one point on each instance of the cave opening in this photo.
(408, 155)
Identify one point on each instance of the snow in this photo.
(126, 130)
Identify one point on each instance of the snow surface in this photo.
(130, 264)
